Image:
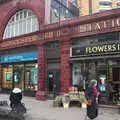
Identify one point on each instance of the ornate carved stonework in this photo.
(22, 41)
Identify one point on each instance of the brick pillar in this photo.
(0, 79)
(65, 65)
(40, 95)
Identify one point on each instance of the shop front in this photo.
(100, 62)
(19, 70)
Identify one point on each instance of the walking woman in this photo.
(92, 97)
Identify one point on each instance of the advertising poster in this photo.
(8, 76)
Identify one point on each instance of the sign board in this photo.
(20, 57)
(95, 50)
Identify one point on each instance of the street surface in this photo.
(43, 110)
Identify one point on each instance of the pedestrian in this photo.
(15, 97)
(92, 98)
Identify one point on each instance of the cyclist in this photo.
(15, 97)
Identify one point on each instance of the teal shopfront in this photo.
(19, 69)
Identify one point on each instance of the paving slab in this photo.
(43, 110)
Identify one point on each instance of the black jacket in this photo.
(15, 98)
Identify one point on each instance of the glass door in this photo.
(31, 76)
(53, 83)
(18, 76)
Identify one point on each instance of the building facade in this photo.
(44, 60)
(20, 26)
(87, 7)
(19, 65)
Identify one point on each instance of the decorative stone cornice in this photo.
(19, 42)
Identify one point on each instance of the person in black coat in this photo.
(15, 97)
(92, 96)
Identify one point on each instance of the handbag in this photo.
(88, 102)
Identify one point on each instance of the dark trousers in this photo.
(92, 111)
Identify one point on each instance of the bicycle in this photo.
(18, 111)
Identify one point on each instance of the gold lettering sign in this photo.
(97, 25)
(96, 50)
(102, 49)
(49, 35)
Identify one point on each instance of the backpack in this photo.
(102, 88)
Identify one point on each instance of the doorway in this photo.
(53, 83)
(18, 76)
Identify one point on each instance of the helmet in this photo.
(16, 90)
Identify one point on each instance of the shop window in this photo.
(7, 73)
(27, 76)
(8, 76)
(101, 67)
(108, 37)
(82, 73)
(78, 80)
(18, 75)
(31, 76)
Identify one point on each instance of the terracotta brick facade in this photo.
(41, 72)
(10, 8)
(65, 33)
(65, 65)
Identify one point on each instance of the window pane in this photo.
(28, 25)
(31, 76)
(22, 22)
(20, 28)
(15, 29)
(24, 27)
(8, 31)
(12, 30)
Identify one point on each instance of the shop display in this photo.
(8, 76)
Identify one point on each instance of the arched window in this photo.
(21, 23)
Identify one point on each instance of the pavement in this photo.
(43, 110)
